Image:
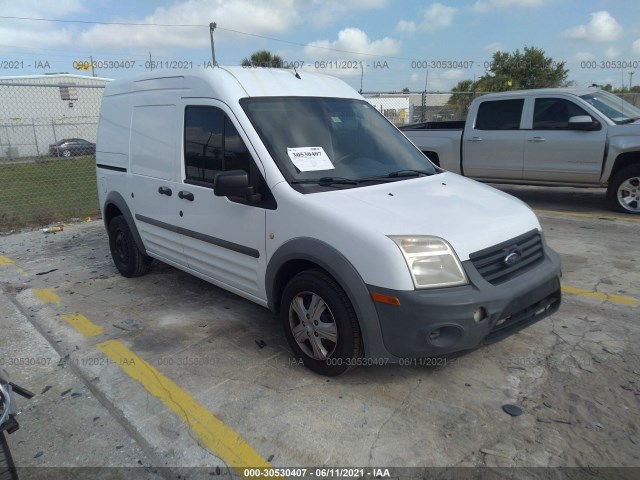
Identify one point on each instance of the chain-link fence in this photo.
(48, 131)
(47, 149)
(406, 108)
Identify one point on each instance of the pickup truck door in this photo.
(493, 147)
(556, 152)
(224, 240)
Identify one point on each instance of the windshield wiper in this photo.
(327, 181)
(405, 173)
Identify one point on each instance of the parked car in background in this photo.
(72, 147)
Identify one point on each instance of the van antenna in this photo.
(294, 69)
(212, 27)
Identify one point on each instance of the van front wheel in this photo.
(320, 323)
(129, 260)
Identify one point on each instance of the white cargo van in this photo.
(295, 193)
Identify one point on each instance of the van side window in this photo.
(554, 113)
(499, 115)
(212, 144)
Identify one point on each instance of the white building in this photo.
(395, 106)
(39, 110)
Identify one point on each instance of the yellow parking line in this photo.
(222, 440)
(46, 296)
(619, 299)
(6, 261)
(588, 215)
(83, 325)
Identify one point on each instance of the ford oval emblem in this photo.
(514, 256)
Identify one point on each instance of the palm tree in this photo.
(263, 58)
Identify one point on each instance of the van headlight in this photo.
(431, 261)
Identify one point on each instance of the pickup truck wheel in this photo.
(624, 190)
(320, 323)
(129, 260)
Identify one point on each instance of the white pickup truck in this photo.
(562, 137)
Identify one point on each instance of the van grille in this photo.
(502, 262)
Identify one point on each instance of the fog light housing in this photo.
(480, 315)
(444, 337)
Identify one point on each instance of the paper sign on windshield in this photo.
(309, 159)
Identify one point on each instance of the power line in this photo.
(132, 24)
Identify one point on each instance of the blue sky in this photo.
(388, 45)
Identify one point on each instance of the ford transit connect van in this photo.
(295, 193)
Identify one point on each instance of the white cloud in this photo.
(40, 9)
(584, 56)
(435, 17)
(353, 40)
(36, 34)
(406, 26)
(635, 48)
(602, 28)
(612, 52)
(258, 17)
(483, 6)
(493, 47)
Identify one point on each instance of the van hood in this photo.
(467, 214)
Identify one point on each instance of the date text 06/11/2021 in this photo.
(324, 472)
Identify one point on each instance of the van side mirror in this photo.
(235, 183)
(583, 122)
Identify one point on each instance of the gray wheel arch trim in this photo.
(338, 266)
(114, 198)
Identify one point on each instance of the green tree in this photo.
(263, 58)
(522, 70)
(462, 96)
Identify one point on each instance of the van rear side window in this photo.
(212, 144)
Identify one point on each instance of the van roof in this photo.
(233, 83)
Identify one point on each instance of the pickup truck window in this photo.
(212, 144)
(359, 146)
(618, 110)
(499, 115)
(554, 113)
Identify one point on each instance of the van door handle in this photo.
(165, 191)
(186, 195)
(474, 139)
(535, 139)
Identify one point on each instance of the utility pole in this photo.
(630, 77)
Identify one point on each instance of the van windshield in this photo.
(333, 141)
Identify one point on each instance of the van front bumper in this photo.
(441, 321)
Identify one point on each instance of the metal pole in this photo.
(35, 136)
(212, 27)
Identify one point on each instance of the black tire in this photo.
(129, 260)
(7, 467)
(334, 315)
(623, 193)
